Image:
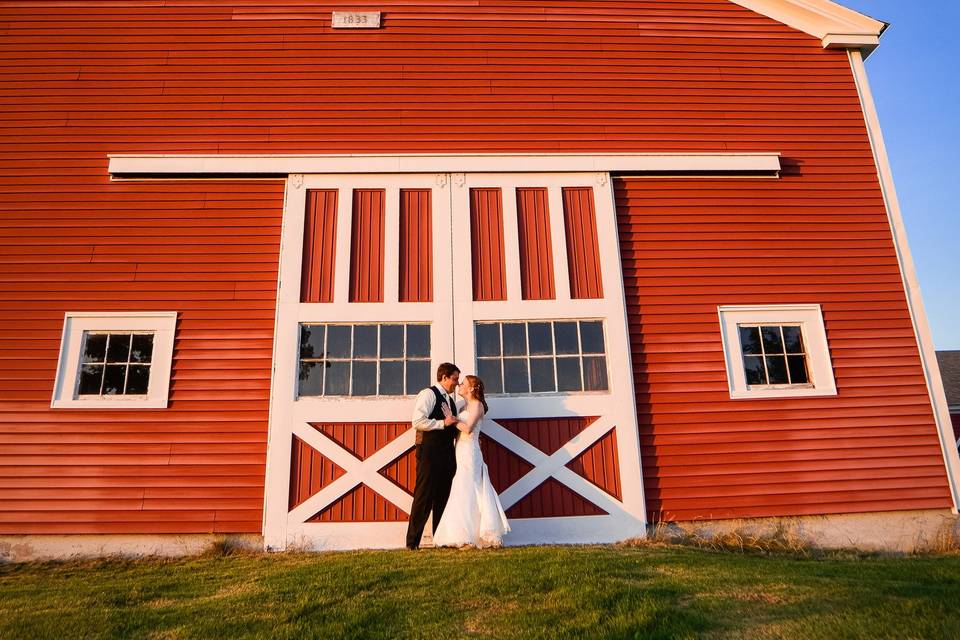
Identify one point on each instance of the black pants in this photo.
(436, 466)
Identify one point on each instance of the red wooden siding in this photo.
(486, 237)
(600, 464)
(536, 251)
(416, 245)
(403, 471)
(547, 434)
(366, 246)
(504, 466)
(362, 439)
(319, 246)
(310, 471)
(583, 251)
(361, 504)
(552, 500)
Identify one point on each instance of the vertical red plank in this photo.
(536, 251)
(486, 237)
(416, 246)
(366, 246)
(583, 250)
(319, 246)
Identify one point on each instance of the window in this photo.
(541, 357)
(776, 351)
(364, 359)
(115, 360)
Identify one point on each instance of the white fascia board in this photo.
(280, 165)
(836, 26)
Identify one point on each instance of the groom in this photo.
(436, 463)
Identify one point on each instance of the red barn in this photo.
(238, 237)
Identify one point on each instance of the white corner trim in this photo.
(835, 25)
(137, 165)
(911, 284)
(161, 323)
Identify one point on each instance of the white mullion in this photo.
(511, 241)
(341, 289)
(558, 243)
(391, 244)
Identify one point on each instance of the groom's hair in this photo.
(446, 370)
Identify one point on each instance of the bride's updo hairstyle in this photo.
(477, 385)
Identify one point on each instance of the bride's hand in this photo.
(448, 417)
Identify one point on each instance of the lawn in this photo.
(555, 592)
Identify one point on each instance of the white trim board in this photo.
(161, 165)
(836, 26)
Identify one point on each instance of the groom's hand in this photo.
(448, 417)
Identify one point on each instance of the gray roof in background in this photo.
(950, 370)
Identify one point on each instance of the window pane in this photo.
(391, 342)
(391, 378)
(418, 376)
(337, 378)
(772, 342)
(338, 341)
(591, 337)
(114, 376)
(514, 339)
(138, 379)
(95, 349)
(489, 372)
(541, 338)
(568, 374)
(142, 350)
(311, 340)
(777, 369)
(365, 341)
(565, 336)
(793, 339)
(515, 375)
(541, 375)
(798, 369)
(594, 374)
(418, 341)
(90, 377)
(488, 339)
(753, 367)
(364, 378)
(750, 341)
(118, 348)
(311, 378)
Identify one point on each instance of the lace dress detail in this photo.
(473, 515)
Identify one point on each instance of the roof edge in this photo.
(836, 26)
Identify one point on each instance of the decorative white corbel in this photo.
(296, 179)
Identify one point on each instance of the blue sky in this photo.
(915, 76)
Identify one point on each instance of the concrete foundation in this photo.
(26, 548)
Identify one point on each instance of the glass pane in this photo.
(515, 378)
(793, 339)
(772, 342)
(138, 379)
(391, 378)
(311, 378)
(515, 339)
(365, 341)
(541, 375)
(488, 339)
(753, 368)
(565, 337)
(418, 341)
(541, 338)
(777, 370)
(568, 374)
(90, 378)
(750, 341)
(391, 342)
(95, 349)
(337, 381)
(114, 376)
(591, 337)
(311, 340)
(489, 372)
(338, 341)
(418, 376)
(118, 347)
(594, 374)
(798, 369)
(142, 349)
(364, 378)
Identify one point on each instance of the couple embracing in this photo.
(452, 480)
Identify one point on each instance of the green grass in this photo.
(555, 592)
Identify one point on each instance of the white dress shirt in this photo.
(423, 407)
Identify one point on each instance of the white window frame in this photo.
(161, 323)
(810, 319)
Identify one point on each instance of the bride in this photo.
(473, 515)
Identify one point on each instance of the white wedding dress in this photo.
(473, 515)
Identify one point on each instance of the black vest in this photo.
(439, 437)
